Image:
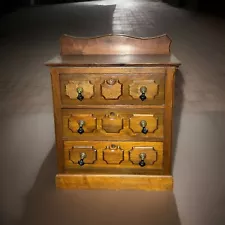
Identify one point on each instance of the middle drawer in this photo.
(111, 124)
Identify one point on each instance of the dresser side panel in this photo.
(168, 117)
(57, 118)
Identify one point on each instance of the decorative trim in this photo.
(115, 45)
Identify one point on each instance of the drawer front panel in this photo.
(93, 154)
(105, 123)
(78, 154)
(110, 89)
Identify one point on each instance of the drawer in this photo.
(110, 89)
(106, 154)
(102, 124)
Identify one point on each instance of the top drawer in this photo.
(113, 88)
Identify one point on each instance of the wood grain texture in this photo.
(57, 119)
(74, 119)
(72, 86)
(76, 151)
(126, 147)
(111, 89)
(151, 154)
(151, 122)
(114, 182)
(113, 154)
(168, 115)
(91, 106)
(112, 123)
(111, 70)
(113, 106)
(151, 86)
(124, 125)
(113, 61)
(119, 93)
(114, 45)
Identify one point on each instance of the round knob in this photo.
(80, 91)
(81, 123)
(82, 157)
(113, 146)
(111, 81)
(142, 162)
(143, 91)
(143, 124)
(112, 114)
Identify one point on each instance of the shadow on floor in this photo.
(178, 106)
(46, 205)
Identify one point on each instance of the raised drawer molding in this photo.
(147, 88)
(111, 89)
(113, 108)
(75, 88)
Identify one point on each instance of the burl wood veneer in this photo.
(113, 105)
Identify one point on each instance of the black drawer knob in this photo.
(143, 124)
(82, 157)
(80, 91)
(143, 91)
(81, 129)
(142, 162)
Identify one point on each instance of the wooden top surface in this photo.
(114, 60)
(114, 50)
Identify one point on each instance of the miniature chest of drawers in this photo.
(113, 105)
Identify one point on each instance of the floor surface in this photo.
(30, 36)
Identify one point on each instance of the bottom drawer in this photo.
(93, 155)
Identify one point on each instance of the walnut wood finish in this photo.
(114, 45)
(76, 151)
(153, 151)
(168, 116)
(112, 87)
(71, 89)
(113, 154)
(151, 154)
(113, 107)
(57, 119)
(113, 60)
(112, 124)
(74, 121)
(114, 182)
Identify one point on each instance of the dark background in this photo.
(8, 6)
(209, 6)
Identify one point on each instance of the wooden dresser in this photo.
(113, 105)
